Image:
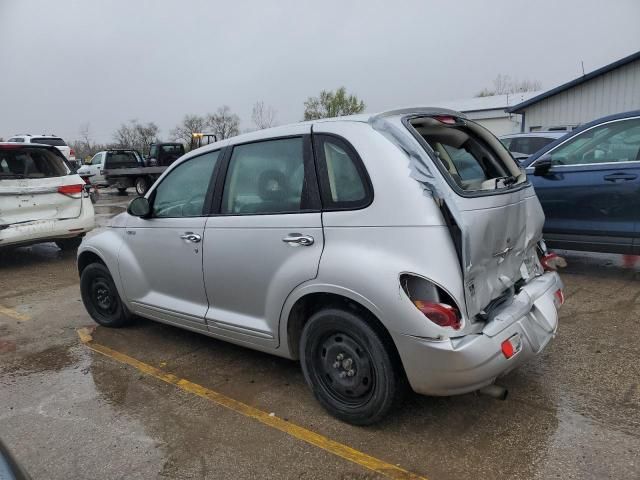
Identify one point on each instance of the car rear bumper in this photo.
(465, 364)
(44, 230)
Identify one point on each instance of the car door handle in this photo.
(191, 237)
(614, 177)
(298, 239)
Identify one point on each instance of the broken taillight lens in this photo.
(558, 297)
(439, 313)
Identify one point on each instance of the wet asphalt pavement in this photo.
(68, 412)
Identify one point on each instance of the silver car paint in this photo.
(358, 254)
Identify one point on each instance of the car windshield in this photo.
(31, 163)
(468, 154)
(53, 141)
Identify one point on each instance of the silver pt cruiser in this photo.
(386, 250)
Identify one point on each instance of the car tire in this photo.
(142, 185)
(349, 367)
(100, 297)
(69, 244)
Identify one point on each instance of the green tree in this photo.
(332, 104)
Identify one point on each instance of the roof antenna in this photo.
(582, 63)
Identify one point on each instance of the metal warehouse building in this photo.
(492, 111)
(613, 88)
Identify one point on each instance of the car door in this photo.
(591, 194)
(161, 260)
(96, 167)
(266, 238)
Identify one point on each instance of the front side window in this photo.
(97, 158)
(183, 191)
(266, 178)
(612, 142)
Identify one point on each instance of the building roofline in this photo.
(574, 82)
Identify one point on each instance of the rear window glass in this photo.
(31, 163)
(172, 148)
(118, 159)
(53, 141)
(469, 155)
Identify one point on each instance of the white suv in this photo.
(41, 200)
(52, 140)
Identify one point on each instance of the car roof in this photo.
(580, 129)
(44, 135)
(284, 130)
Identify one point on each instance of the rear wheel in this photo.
(69, 244)
(349, 368)
(100, 297)
(142, 185)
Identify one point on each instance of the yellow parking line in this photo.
(301, 433)
(10, 312)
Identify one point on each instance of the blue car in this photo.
(588, 183)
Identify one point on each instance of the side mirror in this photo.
(542, 166)
(139, 207)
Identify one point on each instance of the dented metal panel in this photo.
(499, 229)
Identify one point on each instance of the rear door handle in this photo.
(616, 177)
(298, 239)
(191, 237)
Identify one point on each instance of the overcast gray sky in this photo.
(64, 62)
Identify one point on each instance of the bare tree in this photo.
(224, 123)
(332, 104)
(136, 135)
(190, 124)
(263, 116)
(504, 84)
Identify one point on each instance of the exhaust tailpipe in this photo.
(495, 391)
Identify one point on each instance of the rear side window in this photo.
(470, 156)
(344, 183)
(31, 163)
(269, 177)
(121, 159)
(17, 139)
(53, 141)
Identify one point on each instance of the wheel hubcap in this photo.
(346, 368)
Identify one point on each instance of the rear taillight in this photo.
(71, 190)
(72, 153)
(439, 313)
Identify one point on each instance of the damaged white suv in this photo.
(404, 246)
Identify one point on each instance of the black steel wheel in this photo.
(350, 370)
(100, 297)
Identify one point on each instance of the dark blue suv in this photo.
(588, 183)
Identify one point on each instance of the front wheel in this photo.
(100, 297)
(350, 370)
(142, 185)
